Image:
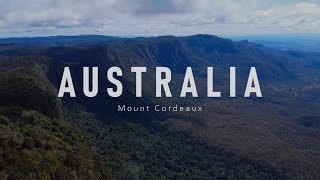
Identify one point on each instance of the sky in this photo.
(158, 17)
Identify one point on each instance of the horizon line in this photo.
(137, 36)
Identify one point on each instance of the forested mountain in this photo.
(273, 137)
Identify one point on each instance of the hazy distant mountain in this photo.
(53, 41)
(294, 42)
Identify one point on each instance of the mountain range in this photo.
(273, 137)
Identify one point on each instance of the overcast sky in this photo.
(157, 17)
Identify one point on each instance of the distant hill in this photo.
(53, 41)
(293, 42)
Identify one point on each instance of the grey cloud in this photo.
(155, 17)
(155, 7)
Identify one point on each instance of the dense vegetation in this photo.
(34, 146)
(135, 151)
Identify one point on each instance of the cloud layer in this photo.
(154, 17)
